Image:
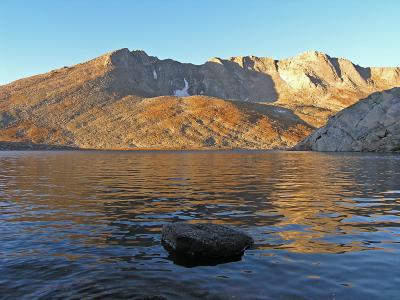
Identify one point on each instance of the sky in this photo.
(40, 35)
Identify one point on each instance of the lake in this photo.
(86, 224)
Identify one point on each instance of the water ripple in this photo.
(87, 224)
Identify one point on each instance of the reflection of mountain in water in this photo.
(301, 202)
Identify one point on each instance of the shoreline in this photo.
(17, 146)
(28, 147)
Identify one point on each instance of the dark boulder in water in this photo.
(204, 240)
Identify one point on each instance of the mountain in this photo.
(372, 124)
(128, 99)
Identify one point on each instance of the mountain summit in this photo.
(128, 99)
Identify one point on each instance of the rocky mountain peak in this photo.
(142, 57)
(123, 57)
(216, 60)
(117, 57)
(313, 55)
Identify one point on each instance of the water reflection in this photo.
(101, 210)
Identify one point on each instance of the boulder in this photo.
(204, 240)
(372, 124)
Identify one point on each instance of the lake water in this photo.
(87, 224)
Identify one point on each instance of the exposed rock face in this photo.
(372, 124)
(204, 240)
(128, 100)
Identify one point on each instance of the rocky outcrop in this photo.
(130, 100)
(372, 124)
(204, 240)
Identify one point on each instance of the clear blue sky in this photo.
(39, 35)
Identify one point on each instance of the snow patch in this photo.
(155, 74)
(183, 92)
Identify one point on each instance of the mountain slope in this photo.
(82, 105)
(372, 124)
(158, 123)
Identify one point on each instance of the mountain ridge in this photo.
(309, 54)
